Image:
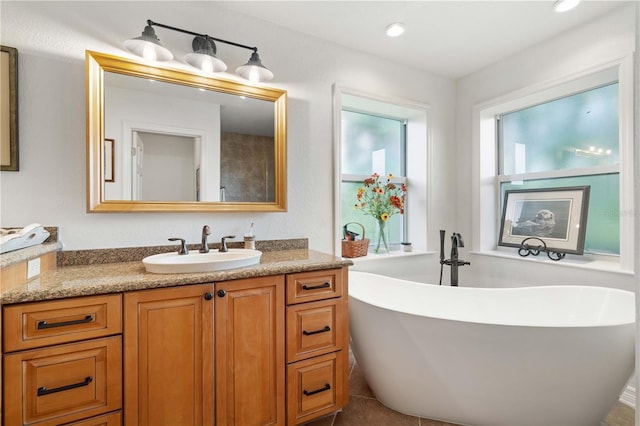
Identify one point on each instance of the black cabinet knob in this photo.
(222, 293)
(208, 296)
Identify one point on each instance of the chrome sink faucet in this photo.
(204, 248)
(223, 243)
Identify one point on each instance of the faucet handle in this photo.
(183, 245)
(223, 243)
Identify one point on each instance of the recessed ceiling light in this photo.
(395, 29)
(564, 5)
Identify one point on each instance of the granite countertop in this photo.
(13, 257)
(93, 279)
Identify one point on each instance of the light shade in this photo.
(564, 5)
(204, 57)
(148, 46)
(254, 70)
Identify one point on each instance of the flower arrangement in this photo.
(381, 200)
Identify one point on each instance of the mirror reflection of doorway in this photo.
(164, 167)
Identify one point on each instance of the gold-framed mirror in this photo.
(167, 140)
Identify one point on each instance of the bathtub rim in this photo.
(377, 303)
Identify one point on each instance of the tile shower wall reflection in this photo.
(247, 167)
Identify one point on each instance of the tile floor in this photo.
(364, 410)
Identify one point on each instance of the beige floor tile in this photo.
(621, 415)
(362, 411)
(322, 421)
(357, 384)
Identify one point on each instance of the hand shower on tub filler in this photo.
(453, 261)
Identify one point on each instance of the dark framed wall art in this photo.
(556, 216)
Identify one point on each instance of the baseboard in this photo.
(628, 397)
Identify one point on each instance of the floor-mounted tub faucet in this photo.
(454, 261)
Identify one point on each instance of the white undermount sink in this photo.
(174, 263)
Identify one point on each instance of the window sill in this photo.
(589, 262)
(371, 257)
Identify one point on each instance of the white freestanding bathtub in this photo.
(539, 356)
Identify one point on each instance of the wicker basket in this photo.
(357, 248)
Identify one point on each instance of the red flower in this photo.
(396, 202)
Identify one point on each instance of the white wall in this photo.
(600, 41)
(51, 38)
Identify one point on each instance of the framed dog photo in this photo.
(557, 216)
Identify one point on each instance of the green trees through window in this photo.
(570, 141)
(371, 144)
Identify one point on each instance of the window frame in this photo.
(419, 146)
(486, 178)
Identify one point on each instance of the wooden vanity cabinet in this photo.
(250, 361)
(317, 344)
(62, 361)
(269, 350)
(168, 356)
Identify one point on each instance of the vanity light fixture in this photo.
(203, 56)
(564, 5)
(396, 29)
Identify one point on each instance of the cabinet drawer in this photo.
(316, 285)
(314, 328)
(111, 419)
(316, 387)
(38, 324)
(63, 383)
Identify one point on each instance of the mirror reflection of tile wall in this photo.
(247, 168)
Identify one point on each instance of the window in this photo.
(570, 141)
(383, 135)
(371, 143)
(572, 131)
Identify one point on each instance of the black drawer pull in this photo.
(43, 324)
(322, 330)
(315, 287)
(44, 391)
(326, 387)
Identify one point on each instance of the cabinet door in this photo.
(168, 356)
(249, 322)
